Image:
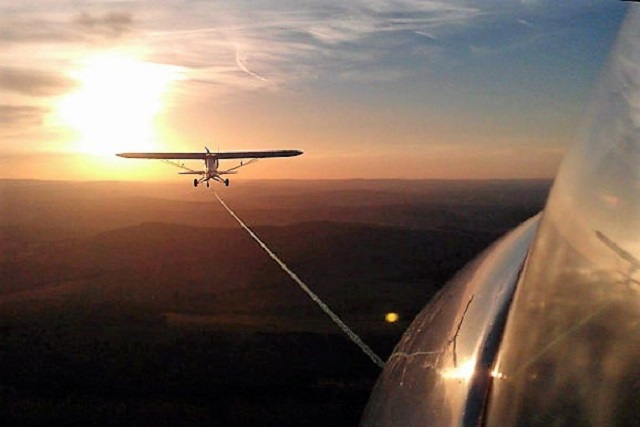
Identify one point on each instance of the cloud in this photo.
(251, 44)
(241, 62)
(63, 27)
(525, 23)
(33, 31)
(427, 35)
(33, 82)
(109, 25)
(275, 43)
(12, 115)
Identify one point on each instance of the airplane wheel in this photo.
(195, 182)
(226, 182)
(207, 184)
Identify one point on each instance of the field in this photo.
(146, 304)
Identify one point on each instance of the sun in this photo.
(117, 100)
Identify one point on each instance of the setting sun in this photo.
(116, 102)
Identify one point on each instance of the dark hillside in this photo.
(140, 304)
(179, 268)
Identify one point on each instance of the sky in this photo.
(367, 89)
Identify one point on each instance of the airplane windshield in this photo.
(572, 341)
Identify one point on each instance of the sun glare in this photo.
(391, 317)
(115, 105)
(463, 371)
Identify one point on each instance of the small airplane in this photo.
(211, 162)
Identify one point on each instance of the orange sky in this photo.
(458, 91)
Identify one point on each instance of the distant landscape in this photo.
(145, 304)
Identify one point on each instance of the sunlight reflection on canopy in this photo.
(462, 372)
(116, 103)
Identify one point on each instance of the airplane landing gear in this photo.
(226, 182)
(195, 182)
(207, 184)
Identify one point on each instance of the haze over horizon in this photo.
(390, 89)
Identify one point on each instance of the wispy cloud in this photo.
(23, 127)
(63, 26)
(427, 35)
(109, 25)
(403, 71)
(33, 82)
(11, 115)
(249, 44)
(525, 23)
(274, 43)
(241, 62)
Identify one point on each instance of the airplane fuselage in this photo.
(211, 166)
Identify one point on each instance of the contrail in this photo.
(427, 35)
(240, 62)
(352, 335)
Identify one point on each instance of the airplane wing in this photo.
(257, 154)
(164, 156)
(223, 155)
